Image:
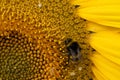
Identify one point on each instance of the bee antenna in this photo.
(68, 40)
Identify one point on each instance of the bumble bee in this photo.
(73, 49)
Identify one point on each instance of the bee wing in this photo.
(73, 53)
(78, 53)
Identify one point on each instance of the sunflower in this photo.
(33, 35)
(103, 20)
(32, 41)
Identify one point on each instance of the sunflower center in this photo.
(32, 35)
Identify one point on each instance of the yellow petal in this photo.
(107, 43)
(80, 2)
(91, 26)
(109, 70)
(89, 3)
(104, 15)
(98, 74)
(102, 12)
